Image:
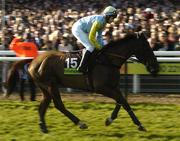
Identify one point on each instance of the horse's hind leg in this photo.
(43, 108)
(21, 92)
(32, 88)
(60, 106)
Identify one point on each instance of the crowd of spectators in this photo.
(48, 22)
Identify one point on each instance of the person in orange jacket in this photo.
(23, 49)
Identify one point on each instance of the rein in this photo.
(137, 36)
(119, 56)
(116, 55)
(113, 55)
(122, 57)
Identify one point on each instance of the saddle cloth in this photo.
(72, 61)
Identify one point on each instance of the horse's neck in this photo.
(123, 51)
(120, 53)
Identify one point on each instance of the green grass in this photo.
(19, 122)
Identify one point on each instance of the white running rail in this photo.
(169, 56)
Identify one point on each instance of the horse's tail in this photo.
(12, 79)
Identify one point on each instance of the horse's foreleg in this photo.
(113, 115)
(127, 107)
(118, 97)
(60, 106)
(43, 108)
(110, 93)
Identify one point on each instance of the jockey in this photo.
(88, 31)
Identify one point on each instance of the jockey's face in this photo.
(110, 20)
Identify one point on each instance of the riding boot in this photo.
(84, 62)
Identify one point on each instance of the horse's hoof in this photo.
(82, 125)
(5, 95)
(142, 128)
(43, 128)
(108, 121)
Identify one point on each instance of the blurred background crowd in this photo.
(48, 22)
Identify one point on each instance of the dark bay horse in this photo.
(18, 73)
(47, 71)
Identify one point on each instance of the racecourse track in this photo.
(165, 98)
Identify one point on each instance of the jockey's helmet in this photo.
(110, 12)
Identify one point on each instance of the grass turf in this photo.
(19, 122)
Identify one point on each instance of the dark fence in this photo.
(148, 84)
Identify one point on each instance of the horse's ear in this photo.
(140, 32)
(143, 34)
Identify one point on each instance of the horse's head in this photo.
(145, 54)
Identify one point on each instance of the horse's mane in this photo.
(119, 42)
(113, 43)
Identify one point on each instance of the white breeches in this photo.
(82, 37)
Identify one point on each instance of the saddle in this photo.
(73, 59)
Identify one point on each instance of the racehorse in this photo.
(47, 71)
(18, 73)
